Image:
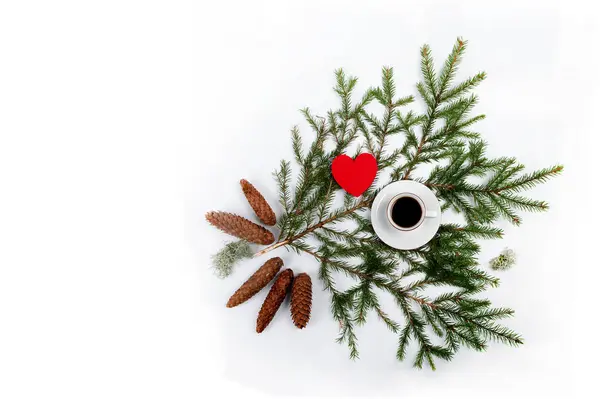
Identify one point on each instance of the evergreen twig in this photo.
(441, 136)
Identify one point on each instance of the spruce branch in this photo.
(481, 189)
(335, 217)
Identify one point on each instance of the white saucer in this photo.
(405, 239)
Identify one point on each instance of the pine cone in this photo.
(256, 282)
(258, 203)
(240, 227)
(301, 300)
(274, 299)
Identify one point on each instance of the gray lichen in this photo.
(224, 260)
(504, 261)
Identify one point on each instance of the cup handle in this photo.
(431, 214)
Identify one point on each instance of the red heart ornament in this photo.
(354, 175)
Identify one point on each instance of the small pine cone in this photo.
(274, 299)
(301, 300)
(240, 227)
(261, 207)
(256, 282)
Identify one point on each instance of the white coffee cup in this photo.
(407, 211)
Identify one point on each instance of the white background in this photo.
(123, 122)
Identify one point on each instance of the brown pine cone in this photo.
(258, 203)
(256, 282)
(301, 301)
(240, 227)
(274, 299)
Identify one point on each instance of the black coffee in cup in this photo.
(406, 212)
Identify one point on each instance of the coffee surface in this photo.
(406, 212)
